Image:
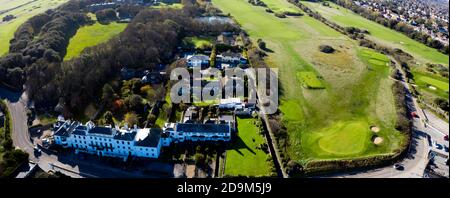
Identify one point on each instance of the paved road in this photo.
(71, 164)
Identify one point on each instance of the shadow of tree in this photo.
(240, 144)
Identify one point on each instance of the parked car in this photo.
(399, 166)
(414, 114)
(37, 149)
(446, 137)
(438, 146)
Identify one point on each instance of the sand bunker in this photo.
(378, 140)
(375, 129)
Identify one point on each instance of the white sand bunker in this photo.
(432, 87)
(378, 140)
(375, 129)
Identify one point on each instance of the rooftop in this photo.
(148, 137)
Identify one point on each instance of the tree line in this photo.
(150, 39)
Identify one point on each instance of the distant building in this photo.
(127, 74)
(180, 132)
(230, 60)
(107, 141)
(100, 6)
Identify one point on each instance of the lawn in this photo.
(310, 80)
(91, 35)
(23, 13)
(358, 89)
(243, 158)
(379, 33)
(431, 83)
(164, 5)
(281, 6)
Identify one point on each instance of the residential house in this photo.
(180, 132)
(230, 60)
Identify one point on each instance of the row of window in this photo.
(101, 139)
(120, 152)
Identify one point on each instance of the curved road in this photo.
(69, 165)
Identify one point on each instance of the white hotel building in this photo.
(123, 143)
(107, 141)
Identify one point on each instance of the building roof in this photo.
(127, 136)
(66, 128)
(151, 139)
(80, 130)
(198, 57)
(231, 54)
(202, 128)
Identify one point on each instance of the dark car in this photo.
(446, 137)
(399, 166)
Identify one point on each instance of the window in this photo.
(128, 143)
(123, 142)
(117, 142)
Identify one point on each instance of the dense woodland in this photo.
(150, 39)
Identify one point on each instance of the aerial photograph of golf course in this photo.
(334, 121)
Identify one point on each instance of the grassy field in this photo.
(92, 35)
(23, 13)
(243, 158)
(379, 33)
(310, 80)
(432, 84)
(358, 89)
(164, 5)
(280, 6)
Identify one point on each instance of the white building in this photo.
(180, 132)
(107, 141)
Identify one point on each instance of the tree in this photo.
(134, 103)
(131, 119)
(109, 118)
(199, 159)
(151, 118)
(261, 44)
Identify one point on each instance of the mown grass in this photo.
(198, 42)
(165, 5)
(91, 35)
(7, 29)
(243, 158)
(281, 6)
(426, 81)
(347, 18)
(358, 88)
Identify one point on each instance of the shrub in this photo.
(326, 49)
